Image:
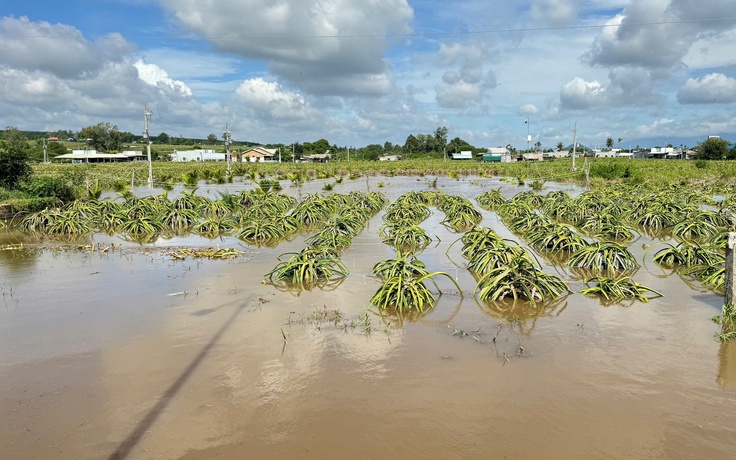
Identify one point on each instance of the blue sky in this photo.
(365, 71)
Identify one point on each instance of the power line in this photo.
(400, 35)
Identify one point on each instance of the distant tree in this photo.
(212, 138)
(411, 145)
(560, 146)
(440, 139)
(14, 167)
(388, 147)
(713, 149)
(102, 136)
(321, 146)
(458, 145)
(372, 151)
(619, 142)
(163, 138)
(609, 143)
(538, 145)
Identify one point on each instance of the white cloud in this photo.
(714, 88)
(554, 12)
(579, 94)
(528, 109)
(156, 76)
(467, 85)
(301, 41)
(272, 100)
(58, 49)
(669, 29)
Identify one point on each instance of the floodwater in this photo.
(129, 354)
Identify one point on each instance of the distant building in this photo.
(496, 155)
(53, 139)
(183, 156)
(92, 156)
(317, 157)
(464, 155)
(556, 154)
(532, 156)
(258, 155)
(389, 158)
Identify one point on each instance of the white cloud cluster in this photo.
(156, 76)
(554, 12)
(58, 49)
(714, 88)
(528, 109)
(466, 85)
(579, 94)
(50, 75)
(322, 46)
(271, 100)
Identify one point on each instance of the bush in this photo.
(610, 170)
(50, 187)
(700, 164)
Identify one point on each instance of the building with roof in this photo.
(92, 156)
(183, 156)
(258, 154)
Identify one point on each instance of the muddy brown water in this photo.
(132, 355)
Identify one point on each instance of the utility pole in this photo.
(348, 154)
(574, 144)
(45, 154)
(228, 140)
(528, 136)
(279, 154)
(147, 114)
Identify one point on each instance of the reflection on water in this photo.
(523, 313)
(727, 364)
(18, 258)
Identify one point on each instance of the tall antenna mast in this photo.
(147, 114)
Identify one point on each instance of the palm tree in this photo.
(609, 143)
(619, 142)
(560, 146)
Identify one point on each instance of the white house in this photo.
(556, 154)
(389, 158)
(92, 156)
(183, 156)
(464, 155)
(259, 154)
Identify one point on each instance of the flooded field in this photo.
(128, 353)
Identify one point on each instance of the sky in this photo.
(359, 72)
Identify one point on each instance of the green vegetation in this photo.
(618, 289)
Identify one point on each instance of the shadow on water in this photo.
(125, 448)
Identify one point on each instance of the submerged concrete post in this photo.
(730, 268)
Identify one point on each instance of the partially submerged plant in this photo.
(727, 320)
(555, 238)
(600, 256)
(686, 254)
(617, 289)
(519, 278)
(307, 266)
(405, 237)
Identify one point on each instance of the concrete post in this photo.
(730, 268)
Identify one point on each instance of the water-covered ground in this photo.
(128, 353)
